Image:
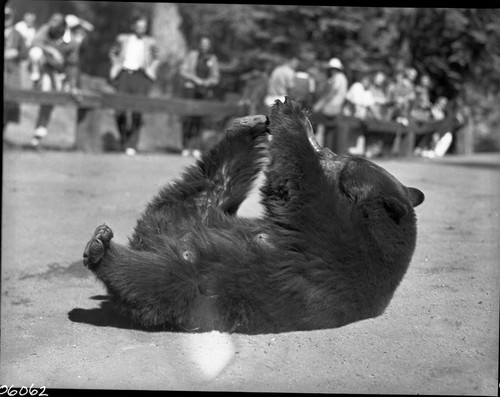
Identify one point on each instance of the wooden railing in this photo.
(404, 136)
(91, 105)
(179, 106)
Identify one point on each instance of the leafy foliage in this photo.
(458, 48)
(452, 45)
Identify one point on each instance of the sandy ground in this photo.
(439, 335)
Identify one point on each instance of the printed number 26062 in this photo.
(23, 391)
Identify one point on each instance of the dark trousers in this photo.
(192, 125)
(331, 128)
(11, 113)
(130, 123)
(45, 111)
(43, 117)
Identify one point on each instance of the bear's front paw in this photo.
(258, 122)
(97, 246)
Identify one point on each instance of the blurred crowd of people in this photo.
(403, 97)
(52, 52)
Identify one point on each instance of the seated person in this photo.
(360, 104)
(47, 63)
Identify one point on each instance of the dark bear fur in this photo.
(336, 239)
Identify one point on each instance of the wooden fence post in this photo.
(88, 130)
(407, 142)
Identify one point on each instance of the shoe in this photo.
(35, 76)
(443, 144)
(354, 151)
(41, 132)
(197, 154)
(130, 151)
(402, 120)
(429, 154)
(35, 142)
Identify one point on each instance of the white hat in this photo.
(72, 21)
(335, 63)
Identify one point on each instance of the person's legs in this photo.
(11, 113)
(44, 114)
(133, 133)
(318, 123)
(45, 83)
(121, 124)
(122, 85)
(357, 134)
(330, 135)
(137, 83)
(187, 123)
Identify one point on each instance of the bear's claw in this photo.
(97, 246)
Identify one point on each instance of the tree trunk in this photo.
(163, 131)
(165, 24)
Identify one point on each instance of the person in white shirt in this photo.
(27, 28)
(361, 99)
(329, 105)
(282, 80)
(135, 62)
(360, 104)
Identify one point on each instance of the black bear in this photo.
(336, 238)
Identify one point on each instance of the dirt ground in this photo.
(439, 335)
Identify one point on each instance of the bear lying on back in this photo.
(335, 241)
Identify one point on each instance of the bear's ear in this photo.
(395, 208)
(416, 196)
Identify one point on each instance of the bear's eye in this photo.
(188, 256)
(263, 239)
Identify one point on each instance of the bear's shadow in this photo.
(107, 315)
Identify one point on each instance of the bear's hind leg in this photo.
(97, 246)
(153, 288)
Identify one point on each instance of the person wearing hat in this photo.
(329, 106)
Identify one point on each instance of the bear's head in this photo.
(362, 180)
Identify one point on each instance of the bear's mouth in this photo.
(312, 139)
(323, 152)
(331, 162)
